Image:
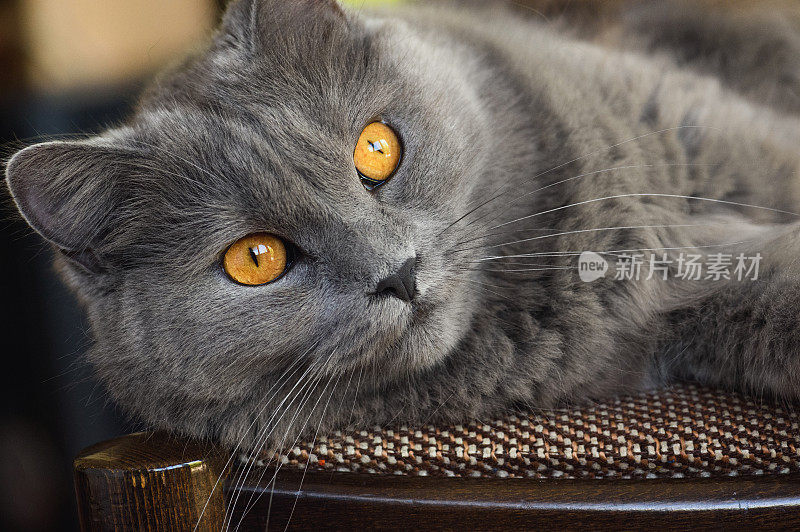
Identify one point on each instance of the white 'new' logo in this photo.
(591, 266)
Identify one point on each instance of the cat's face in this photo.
(257, 135)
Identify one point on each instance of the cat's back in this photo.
(622, 49)
(558, 67)
(596, 92)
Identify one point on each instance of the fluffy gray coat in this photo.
(526, 144)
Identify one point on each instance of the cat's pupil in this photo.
(255, 251)
(375, 146)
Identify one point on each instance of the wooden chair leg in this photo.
(149, 482)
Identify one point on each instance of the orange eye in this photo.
(256, 259)
(378, 153)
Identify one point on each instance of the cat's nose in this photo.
(400, 284)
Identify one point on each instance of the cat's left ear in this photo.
(68, 192)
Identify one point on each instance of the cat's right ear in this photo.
(239, 23)
(67, 192)
(253, 24)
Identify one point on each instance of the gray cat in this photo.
(336, 218)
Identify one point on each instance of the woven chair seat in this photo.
(686, 431)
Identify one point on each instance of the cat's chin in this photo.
(432, 328)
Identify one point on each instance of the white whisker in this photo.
(610, 252)
(652, 195)
(267, 431)
(503, 190)
(276, 386)
(588, 174)
(309, 388)
(577, 231)
(311, 450)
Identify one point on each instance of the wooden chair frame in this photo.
(156, 482)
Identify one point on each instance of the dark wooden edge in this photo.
(155, 482)
(372, 501)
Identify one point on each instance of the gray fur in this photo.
(256, 133)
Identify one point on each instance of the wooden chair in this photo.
(739, 462)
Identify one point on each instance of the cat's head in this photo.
(255, 138)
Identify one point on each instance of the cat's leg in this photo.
(740, 334)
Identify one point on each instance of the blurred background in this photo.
(66, 67)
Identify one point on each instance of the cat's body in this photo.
(524, 146)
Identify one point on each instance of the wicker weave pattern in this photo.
(684, 432)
